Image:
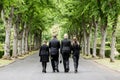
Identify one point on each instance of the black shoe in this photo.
(66, 71)
(44, 71)
(76, 71)
(57, 70)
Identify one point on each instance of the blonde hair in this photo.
(45, 42)
(75, 40)
(65, 35)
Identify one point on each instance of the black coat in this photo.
(54, 46)
(76, 49)
(65, 46)
(44, 53)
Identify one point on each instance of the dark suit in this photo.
(76, 52)
(54, 46)
(44, 56)
(65, 51)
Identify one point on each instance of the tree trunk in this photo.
(35, 42)
(8, 25)
(113, 45)
(26, 41)
(85, 41)
(95, 39)
(15, 42)
(103, 39)
(7, 40)
(88, 45)
(113, 42)
(19, 37)
(30, 44)
(23, 40)
(20, 47)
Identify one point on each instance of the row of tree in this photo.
(91, 16)
(81, 18)
(27, 19)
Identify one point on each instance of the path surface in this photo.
(30, 69)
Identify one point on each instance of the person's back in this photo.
(65, 46)
(44, 50)
(44, 55)
(65, 51)
(76, 48)
(76, 53)
(54, 46)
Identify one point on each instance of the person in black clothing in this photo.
(65, 51)
(76, 53)
(44, 55)
(54, 46)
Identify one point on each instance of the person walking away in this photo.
(65, 51)
(76, 53)
(54, 46)
(44, 56)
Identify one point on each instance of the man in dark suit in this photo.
(54, 46)
(65, 51)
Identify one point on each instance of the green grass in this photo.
(112, 65)
(105, 62)
(7, 62)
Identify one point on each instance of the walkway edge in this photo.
(19, 58)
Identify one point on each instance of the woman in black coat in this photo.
(44, 55)
(76, 53)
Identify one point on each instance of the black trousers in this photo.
(66, 61)
(75, 60)
(44, 65)
(54, 62)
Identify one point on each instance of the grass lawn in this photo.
(7, 62)
(112, 65)
(105, 62)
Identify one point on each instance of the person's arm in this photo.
(59, 44)
(48, 50)
(40, 52)
(49, 44)
(79, 46)
(70, 46)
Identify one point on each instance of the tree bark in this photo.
(95, 39)
(88, 45)
(85, 41)
(8, 25)
(113, 45)
(103, 39)
(113, 42)
(23, 40)
(30, 44)
(26, 41)
(15, 42)
(20, 47)
(88, 40)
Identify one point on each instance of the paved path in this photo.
(30, 69)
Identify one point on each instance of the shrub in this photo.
(107, 51)
(2, 53)
(106, 44)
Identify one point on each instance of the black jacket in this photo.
(44, 50)
(54, 46)
(76, 49)
(65, 46)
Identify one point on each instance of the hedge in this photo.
(2, 53)
(107, 51)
